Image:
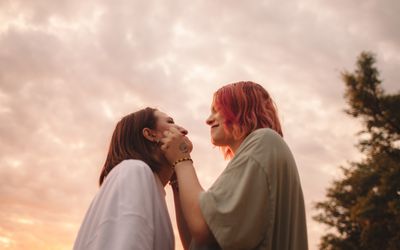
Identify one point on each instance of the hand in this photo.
(175, 145)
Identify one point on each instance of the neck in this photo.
(234, 146)
(165, 174)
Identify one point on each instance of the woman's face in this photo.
(220, 134)
(165, 122)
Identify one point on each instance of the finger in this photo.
(186, 139)
(175, 131)
(164, 147)
(167, 133)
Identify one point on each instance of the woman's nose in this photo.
(209, 120)
(183, 130)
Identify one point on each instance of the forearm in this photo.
(189, 193)
(183, 229)
(177, 148)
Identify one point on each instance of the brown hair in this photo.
(128, 142)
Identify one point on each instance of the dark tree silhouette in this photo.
(363, 208)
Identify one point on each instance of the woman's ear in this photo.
(148, 134)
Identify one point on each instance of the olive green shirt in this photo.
(257, 202)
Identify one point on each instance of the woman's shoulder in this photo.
(262, 136)
(260, 143)
(266, 133)
(132, 168)
(135, 166)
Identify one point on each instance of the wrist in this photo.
(181, 160)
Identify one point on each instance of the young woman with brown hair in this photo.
(129, 210)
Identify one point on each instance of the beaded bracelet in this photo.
(182, 160)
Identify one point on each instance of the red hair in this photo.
(246, 106)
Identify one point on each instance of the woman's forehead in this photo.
(160, 114)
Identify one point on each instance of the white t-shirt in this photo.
(129, 212)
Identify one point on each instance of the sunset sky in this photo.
(69, 70)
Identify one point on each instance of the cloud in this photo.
(69, 70)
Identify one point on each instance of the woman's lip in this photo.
(214, 126)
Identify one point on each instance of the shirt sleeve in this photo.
(125, 219)
(235, 206)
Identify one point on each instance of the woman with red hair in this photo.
(257, 202)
